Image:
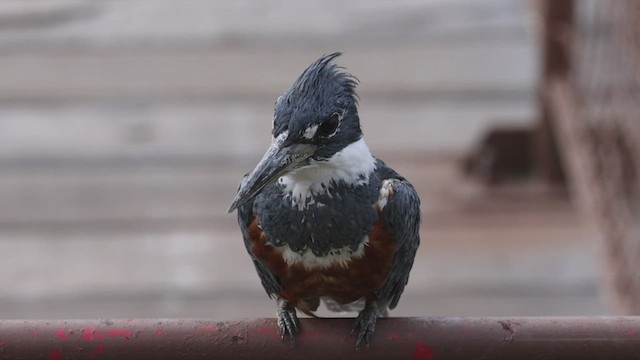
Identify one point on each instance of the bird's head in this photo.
(313, 120)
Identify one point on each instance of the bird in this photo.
(321, 217)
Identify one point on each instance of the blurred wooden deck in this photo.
(122, 142)
(165, 247)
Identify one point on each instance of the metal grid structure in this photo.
(591, 93)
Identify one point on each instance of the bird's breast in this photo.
(332, 228)
(343, 275)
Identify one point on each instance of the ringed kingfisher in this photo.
(321, 217)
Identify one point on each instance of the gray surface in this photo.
(200, 23)
(125, 126)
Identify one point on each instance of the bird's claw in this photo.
(366, 323)
(287, 321)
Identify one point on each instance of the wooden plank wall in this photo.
(124, 128)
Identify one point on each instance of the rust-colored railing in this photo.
(395, 338)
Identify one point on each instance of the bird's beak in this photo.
(279, 159)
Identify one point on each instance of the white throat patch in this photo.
(354, 165)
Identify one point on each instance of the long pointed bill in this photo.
(277, 161)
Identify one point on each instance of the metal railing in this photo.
(395, 338)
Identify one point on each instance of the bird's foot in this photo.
(366, 323)
(287, 321)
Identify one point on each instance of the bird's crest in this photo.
(321, 72)
(322, 89)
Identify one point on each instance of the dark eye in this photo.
(329, 125)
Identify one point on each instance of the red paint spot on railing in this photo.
(60, 333)
(158, 331)
(268, 330)
(206, 328)
(119, 332)
(97, 350)
(55, 354)
(89, 333)
(631, 333)
(422, 351)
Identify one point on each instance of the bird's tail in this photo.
(309, 306)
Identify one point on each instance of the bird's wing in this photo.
(246, 219)
(399, 208)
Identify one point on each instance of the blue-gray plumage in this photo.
(320, 216)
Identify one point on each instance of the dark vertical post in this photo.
(557, 20)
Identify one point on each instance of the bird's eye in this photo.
(329, 125)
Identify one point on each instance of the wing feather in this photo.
(401, 216)
(245, 219)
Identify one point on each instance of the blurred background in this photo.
(126, 126)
